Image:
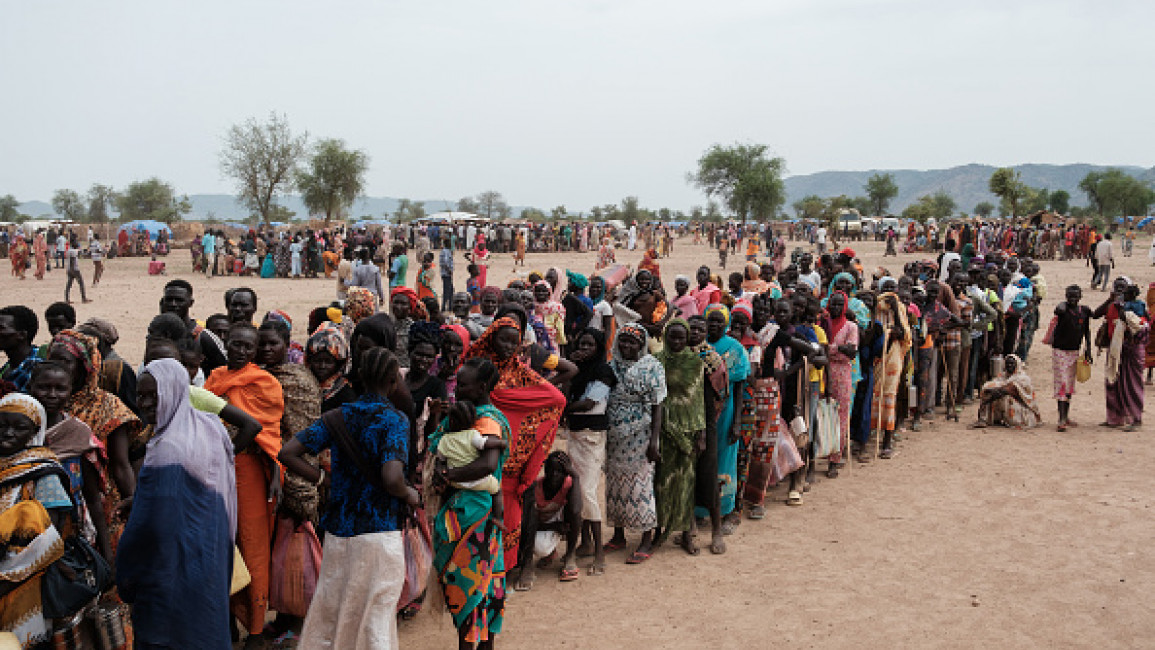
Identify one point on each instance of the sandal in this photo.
(1061, 428)
(612, 546)
(637, 557)
(569, 575)
(794, 498)
(756, 513)
(409, 612)
(832, 472)
(886, 453)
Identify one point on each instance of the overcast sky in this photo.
(563, 102)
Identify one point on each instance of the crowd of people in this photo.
(239, 472)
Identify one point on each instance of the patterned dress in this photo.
(841, 387)
(629, 474)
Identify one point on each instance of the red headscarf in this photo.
(836, 324)
(417, 309)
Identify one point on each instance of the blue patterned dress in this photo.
(629, 474)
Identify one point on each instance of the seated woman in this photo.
(35, 507)
(1009, 401)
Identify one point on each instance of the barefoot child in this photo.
(552, 508)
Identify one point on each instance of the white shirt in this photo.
(1103, 252)
(946, 260)
(821, 235)
(601, 310)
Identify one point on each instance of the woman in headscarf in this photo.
(295, 353)
(577, 305)
(632, 441)
(752, 282)
(115, 426)
(586, 420)
(282, 257)
(843, 350)
(360, 303)
(176, 554)
(532, 406)
(683, 434)
(259, 394)
(34, 509)
(968, 253)
(519, 255)
(1149, 361)
(738, 369)
(716, 389)
(479, 256)
(606, 254)
(326, 355)
(1009, 401)
(650, 263)
(40, 251)
(550, 311)
(467, 530)
(891, 313)
(1128, 331)
(18, 254)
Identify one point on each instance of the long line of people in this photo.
(238, 472)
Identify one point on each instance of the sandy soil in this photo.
(967, 538)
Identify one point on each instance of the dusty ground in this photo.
(966, 539)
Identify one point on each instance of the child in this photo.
(473, 286)
(425, 280)
(155, 267)
(464, 444)
(752, 249)
(723, 249)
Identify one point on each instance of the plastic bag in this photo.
(828, 439)
(295, 568)
(785, 460)
(1083, 370)
(418, 541)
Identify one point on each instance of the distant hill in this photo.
(967, 184)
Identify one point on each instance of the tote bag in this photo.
(828, 439)
(295, 568)
(785, 460)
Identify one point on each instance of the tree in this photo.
(1007, 184)
(942, 205)
(559, 213)
(262, 159)
(8, 208)
(1114, 193)
(744, 177)
(492, 205)
(595, 213)
(533, 214)
(100, 199)
(1060, 201)
(152, 199)
(1036, 200)
(409, 210)
(985, 209)
(665, 214)
(809, 207)
(467, 204)
(68, 204)
(880, 189)
(335, 178)
(630, 211)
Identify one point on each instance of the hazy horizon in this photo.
(578, 104)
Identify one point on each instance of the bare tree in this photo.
(262, 159)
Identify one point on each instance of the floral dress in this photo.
(629, 474)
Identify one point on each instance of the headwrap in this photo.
(968, 253)
(685, 415)
(484, 347)
(841, 276)
(279, 315)
(360, 303)
(334, 315)
(720, 308)
(416, 307)
(30, 408)
(328, 338)
(490, 291)
(103, 412)
(430, 332)
(577, 279)
(103, 330)
(744, 307)
(555, 292)
(462, 334)
(631, 329)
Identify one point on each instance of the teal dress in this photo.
(268, 269)
(738, 368)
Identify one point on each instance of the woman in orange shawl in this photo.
(114, 425)
(650, 263)
(40, 251)
(257, 393)
(18, 253)
(533, 407)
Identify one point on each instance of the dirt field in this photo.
(966, 538)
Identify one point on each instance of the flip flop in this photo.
(568, 575)
(611, 546)
(794, 498)
(756, 513)
(637, 557)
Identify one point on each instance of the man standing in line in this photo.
(445, 261)
(61, 248)
(209, 244)
(821, 239)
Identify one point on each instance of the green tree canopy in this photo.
(492, 205)
(152, 199)
(1060, 201)
(262, 158)
(985, 209)
(880, 189)
(68, 204)
(809, 207)
(334, 179)
(8, 208)
(468, 204)
(101, 198)
(1114, 193)
(745, 177)
(1007, 184)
